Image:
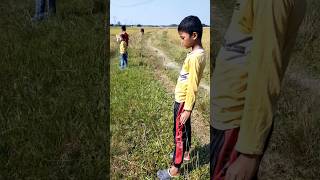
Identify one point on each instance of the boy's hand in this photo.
(244, 168)
(184, 116)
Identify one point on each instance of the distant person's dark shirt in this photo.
(126, 38)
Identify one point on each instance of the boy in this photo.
(190, 31)
(246, 84)
(123, 53)
(125, 34)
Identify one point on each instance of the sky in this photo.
(158, 12)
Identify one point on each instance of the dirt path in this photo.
(200, 125)
(170, 64)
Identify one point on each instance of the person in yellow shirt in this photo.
(123, 52)
(246, 83)
(190, 30)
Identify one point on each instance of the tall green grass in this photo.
(142, 119)
(52, 110)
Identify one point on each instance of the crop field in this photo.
(141, 111)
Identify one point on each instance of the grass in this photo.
(307, 50)
(297, 130)
(169, 42)
(52, 114)
(141, 118)
(163, 39)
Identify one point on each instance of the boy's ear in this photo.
(194, 35)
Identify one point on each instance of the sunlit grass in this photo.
(142, 118)
(52, 121)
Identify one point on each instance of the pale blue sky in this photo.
(158, 12)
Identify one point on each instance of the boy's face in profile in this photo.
(187, 39)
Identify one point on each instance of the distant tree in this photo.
(173, 25)
(139, 25)
(118, 23)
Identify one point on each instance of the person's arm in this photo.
(195, 71)
(276, 23)
(193, 82)
(127, 39)
(122, 47)
(264, 74)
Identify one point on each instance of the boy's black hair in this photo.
(191, 24)
(123, 28)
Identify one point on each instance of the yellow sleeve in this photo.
(247, 16)
(265, 72)
(195, 72)
(123, 47)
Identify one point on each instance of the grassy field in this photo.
(168, 40)
(294, 151)
(52, 110)
(141, 116)
(307, 50)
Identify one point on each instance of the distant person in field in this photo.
(246, 84)
(190, 31)
(41, 13)
(123, 52)
(125, 34)
(142, 31)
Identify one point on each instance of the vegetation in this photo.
(141, 115)
(52, 110)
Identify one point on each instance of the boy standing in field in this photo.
(125, 34)
(190, 31)
(124, 37)
(123, 52)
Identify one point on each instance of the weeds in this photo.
(141, 118)
(52, 121)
